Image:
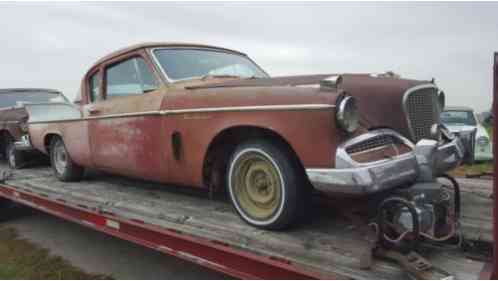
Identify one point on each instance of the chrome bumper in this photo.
(424, 163)
(24, 144)
(449, 156)
(366, 179)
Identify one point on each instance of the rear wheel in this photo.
(63, 166)
(265, 184)
(15, 158)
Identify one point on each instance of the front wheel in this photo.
(63, 166)
(265, 184)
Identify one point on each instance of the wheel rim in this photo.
(256, 185)
(60, 157)
(12, 156)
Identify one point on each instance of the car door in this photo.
(125, 121)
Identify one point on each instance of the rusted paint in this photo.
(141, 146)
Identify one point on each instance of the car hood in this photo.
(379, 98)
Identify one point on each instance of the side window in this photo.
(130, 77)
(94, 86)
(147, 79)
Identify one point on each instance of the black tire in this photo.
(14, 157)
(63, 166)
(248, 186)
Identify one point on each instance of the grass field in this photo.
(20, 259)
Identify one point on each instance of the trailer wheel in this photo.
(264, 186)
(15, 158)
(63, 166)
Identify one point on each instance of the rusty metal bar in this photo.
(495, 183)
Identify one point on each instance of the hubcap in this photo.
(12, 157)
(257, 185)
(60, 158)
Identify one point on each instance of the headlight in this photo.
(347, 115)
(482, 141)
(441, 100)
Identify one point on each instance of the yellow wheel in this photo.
(262, 184)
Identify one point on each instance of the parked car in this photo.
(13, 118)
(210, 117)
(458, 118)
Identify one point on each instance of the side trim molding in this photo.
(200, 110)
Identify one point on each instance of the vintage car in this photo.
(458, 118)
(13, 118)
(210, 117)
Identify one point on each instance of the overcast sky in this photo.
(52, 45)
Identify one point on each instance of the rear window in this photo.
(17, 98)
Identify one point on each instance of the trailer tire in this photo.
(264, 184)
(65, 169)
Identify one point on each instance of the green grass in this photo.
(20, 259)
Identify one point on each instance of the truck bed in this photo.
(329, 244)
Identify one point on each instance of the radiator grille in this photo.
(371, 143)
(422, 112)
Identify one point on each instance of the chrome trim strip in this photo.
(251, 108)
(405, 97)
(200, 110)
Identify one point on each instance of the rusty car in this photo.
(13, 120)
(210, 117)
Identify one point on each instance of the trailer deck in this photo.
(186, 223)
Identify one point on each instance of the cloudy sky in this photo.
(53, 44)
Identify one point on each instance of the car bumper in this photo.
(24, 144)
(366, 179)
(427, 160)
(448, 156)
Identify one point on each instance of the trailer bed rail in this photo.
(185, 223)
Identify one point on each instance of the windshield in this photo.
(181, 64)
(10, 99)
(458, 118)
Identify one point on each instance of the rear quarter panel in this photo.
(74, 134)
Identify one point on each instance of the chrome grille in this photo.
(422, 111)
(371, 143)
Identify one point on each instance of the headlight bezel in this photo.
(347, 114)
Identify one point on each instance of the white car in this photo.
(463, 118)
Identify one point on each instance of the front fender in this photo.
(312, 134)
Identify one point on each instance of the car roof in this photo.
(149, 45)
(24, 90)
(458, 108)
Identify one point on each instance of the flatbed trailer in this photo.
(209, 233)
(186, 223)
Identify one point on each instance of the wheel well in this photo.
(48, 140)
(4, 135)
(223, 145)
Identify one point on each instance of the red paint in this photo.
(495, 183)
